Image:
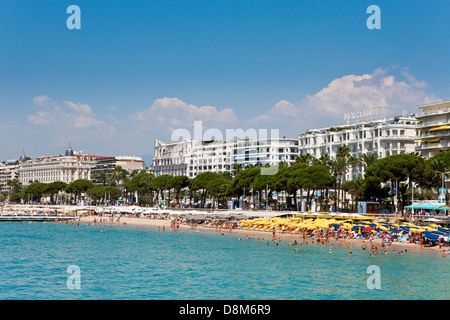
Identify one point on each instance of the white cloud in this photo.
(379, 89)
(79, 107)
(86, 122)
(175, 113)
(42, 100)
(74, 115)
(348, 93)
(40, 118)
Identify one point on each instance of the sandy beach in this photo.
(166, 224)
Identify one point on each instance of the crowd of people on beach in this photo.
(328, 236)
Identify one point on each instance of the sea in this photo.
(59, 261)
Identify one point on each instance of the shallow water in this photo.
(126, 263)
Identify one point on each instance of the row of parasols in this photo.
(363, 224)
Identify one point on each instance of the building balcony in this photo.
(398, 138)
(432, 113)
(433, 125)
(433, 146)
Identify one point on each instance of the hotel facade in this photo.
(192, 157)
(66, 168)
(433, 129)
(384, 137)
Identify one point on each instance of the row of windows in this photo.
(352, 136)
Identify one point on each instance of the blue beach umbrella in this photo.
(430, 235)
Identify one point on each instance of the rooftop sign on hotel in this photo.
(364, 114)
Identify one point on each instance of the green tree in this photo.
(160, 184)
(54, 188)
(101, 177)
(34, 191)
(217, 188)
(139, 185)
(395, 170)
(16, 186)
(304, 158)
(200, 183)
(177, 183)
(368, 159)
(339, 169)
(78, 187)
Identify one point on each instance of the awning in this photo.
(432, 139)
(427, 206)
(446, 126)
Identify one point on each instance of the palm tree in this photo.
(237, 167)
(304, 158)
(323, 160)
(344, 151)
(368, 159)
(339, 168)
(119, 175)
(100, 177)
(440, 166)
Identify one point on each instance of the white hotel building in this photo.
(191, 157)
(9, 170)
(67, 168)
(433, 129)
(384, 137)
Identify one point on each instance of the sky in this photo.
(137, 70)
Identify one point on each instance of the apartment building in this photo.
(106, 164)
(433, 129)
(191, 157)
(9, 170)
(384, 137)
(264, 152)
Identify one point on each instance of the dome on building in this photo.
(23, 157)
(69, 151)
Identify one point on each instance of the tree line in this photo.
(325, 180)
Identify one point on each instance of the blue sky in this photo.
(136, 70)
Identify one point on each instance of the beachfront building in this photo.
(192, 157)
(67, 168)
(107, 164)
(384, 137)
(210, 156)
(264, 152)
(9, 170)
(172, 158)
(433, 129)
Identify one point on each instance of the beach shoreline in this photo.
(165, 224)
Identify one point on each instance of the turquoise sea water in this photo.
(126, 263)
